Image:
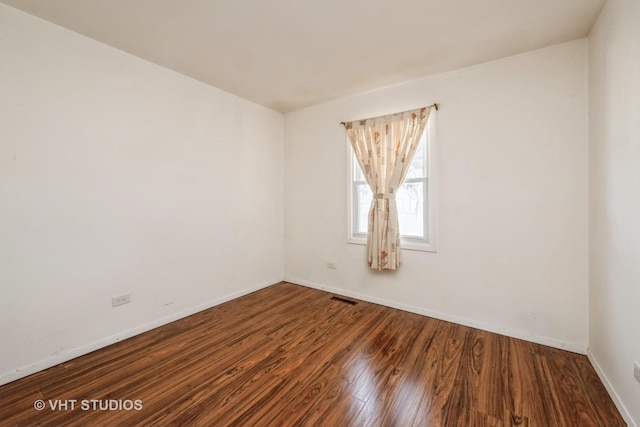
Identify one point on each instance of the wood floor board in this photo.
(520, 387)
(594, 390)
(572, 398)
(548, 394)
(436, 370)
(490, 402)
(308, 365)
(336, 408)
(450, 353)
(287, 355)
(462, 404)
(421, 364)
(383, 387)
(313, 390)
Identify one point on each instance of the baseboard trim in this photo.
(551, 342)
(612, 392)
(104, 342)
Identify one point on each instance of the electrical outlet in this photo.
(331, 265)
(636, 370)
(120, 300)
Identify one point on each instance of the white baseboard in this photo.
(551, 342)
(614, 396)
(104, 342)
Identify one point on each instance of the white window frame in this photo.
(429, 244)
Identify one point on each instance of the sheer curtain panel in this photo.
(384, 147)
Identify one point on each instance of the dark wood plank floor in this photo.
(289, 355)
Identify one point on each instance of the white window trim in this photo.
(414, 244)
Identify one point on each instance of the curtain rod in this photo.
(435, 105)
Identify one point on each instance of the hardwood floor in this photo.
(288, 355)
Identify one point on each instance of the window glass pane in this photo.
(357, 172)
(363, 201)
(411, 209)
(418, 167)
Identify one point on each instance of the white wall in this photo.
(614, 205)
(512, 157)
(117, 175)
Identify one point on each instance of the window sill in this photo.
(407, 244)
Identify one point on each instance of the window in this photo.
(414, 199)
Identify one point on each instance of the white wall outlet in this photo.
(636, 370)
(120, 300)
(331, 265)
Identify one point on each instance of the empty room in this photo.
(355, 213)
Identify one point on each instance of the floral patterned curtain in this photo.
(384, 147)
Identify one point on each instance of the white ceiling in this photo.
(288, 54)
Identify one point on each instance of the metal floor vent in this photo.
(346, 301)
